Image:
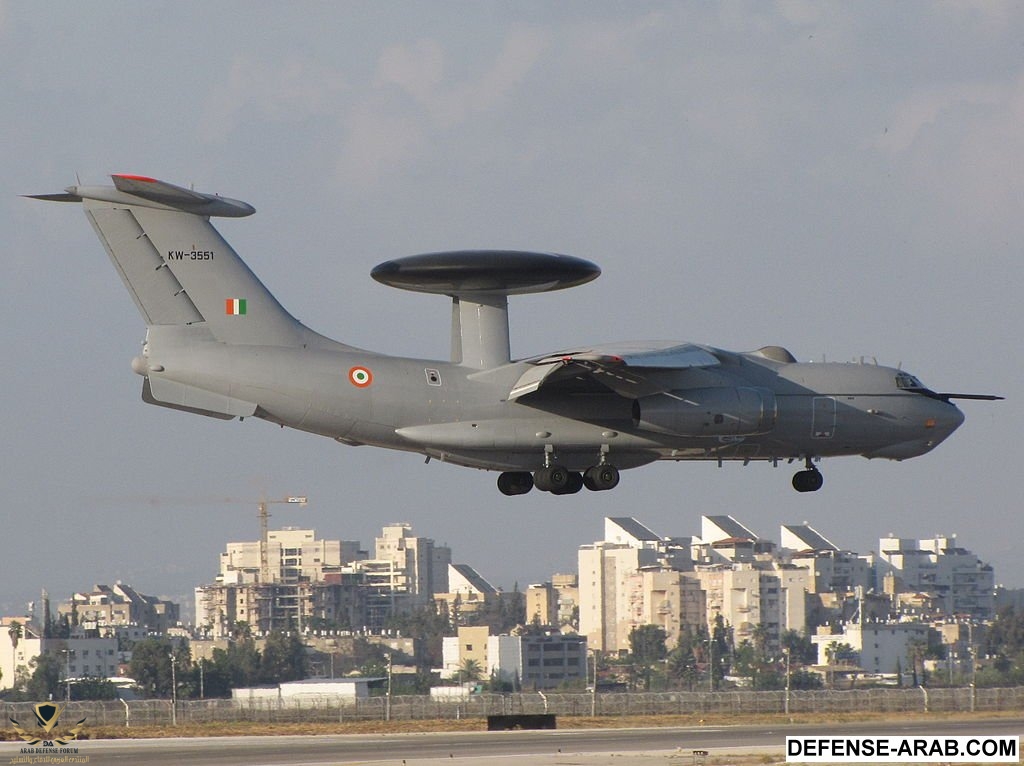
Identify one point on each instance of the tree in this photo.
(470, 671)
(682, 662)
(835, 653)
(802, 650)
(151, 665)
(45, 681)
(647, 646)
(93, 689)
(283, 658)
(15, 634)
(917, 650)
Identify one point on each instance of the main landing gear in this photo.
(809, 480)
(559, 480)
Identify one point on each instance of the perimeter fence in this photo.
(332, 709)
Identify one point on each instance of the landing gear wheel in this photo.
(808, 481)
(515, 482)
(572, 486)
(601, 477)
(554, 478)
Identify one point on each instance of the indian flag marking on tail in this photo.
(235, 306)
(360, 377)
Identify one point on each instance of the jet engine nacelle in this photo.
(707, 412)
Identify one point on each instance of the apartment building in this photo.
(107, 606)
(960, 583)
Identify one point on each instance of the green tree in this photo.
(283, 658)
(430, 626)
(14, 632)
(93, 689)
(45, 681)
(802, 650)
(646, 647)
(835, 654)
(470, 670)
(682, 663)
(239, 664)
(151, 665)
(804, 679)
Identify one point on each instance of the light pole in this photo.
(711, 663)
(387, 707)
(788, 677)
(593, 688)
(174, 692)
(67, 669)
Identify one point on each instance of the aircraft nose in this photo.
(928, 424)
(945, 419)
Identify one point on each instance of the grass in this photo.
(259, 728)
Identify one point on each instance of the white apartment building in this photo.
(79, 657)
(606, 572)
(424, 564)
(751, 594)
(880, 647)
(962, 584)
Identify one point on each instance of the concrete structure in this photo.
(633, 578)
(879, 647)
(293, 555)
(423, 564)
(308, 693)
(555, 603)
(538, 661)
(528, 661)
(318, 581)
(467, 592)
(724, 540)
(78, 657)
(751, 594)
(961, 583)
(107, 606)
(606, 587)
(668, 599)
(469, 645)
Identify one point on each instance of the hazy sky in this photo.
(842, 179)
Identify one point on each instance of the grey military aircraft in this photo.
(219, 344)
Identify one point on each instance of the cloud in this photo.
(417, 69)
(383, 131)
(962, 144)
(288, 91)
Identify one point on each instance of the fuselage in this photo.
(783, 410)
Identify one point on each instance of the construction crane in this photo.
(264, 515)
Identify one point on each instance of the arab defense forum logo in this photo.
(47, 717)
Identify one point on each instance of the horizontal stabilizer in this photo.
(141, 191)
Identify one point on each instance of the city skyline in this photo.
(839, 179)
(234, 551)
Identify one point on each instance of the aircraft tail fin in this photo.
(175, 264)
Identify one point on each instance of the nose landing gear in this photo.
(809, 480)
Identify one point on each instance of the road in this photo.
(621, 747)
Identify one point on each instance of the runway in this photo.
(575, 747)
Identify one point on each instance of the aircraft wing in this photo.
(629, 369)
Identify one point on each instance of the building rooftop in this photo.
(809, 538)
(474, 578)
(632, 528)
(728, 527)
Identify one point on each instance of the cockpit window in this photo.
(907, 381)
